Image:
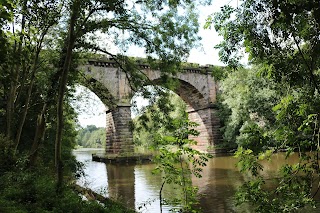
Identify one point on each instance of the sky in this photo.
(92, 112)
(206, 54)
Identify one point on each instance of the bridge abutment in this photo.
(119, 138)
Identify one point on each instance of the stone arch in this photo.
(197, 88)
(199, 111)
(99, 90)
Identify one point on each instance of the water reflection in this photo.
(136, 187)
(121, 181)
(218, 185)
(95, 172)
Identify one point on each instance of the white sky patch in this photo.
(90, 109)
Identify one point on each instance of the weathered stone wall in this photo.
(215, 126)
(119, 135)
(107, 76)
(208, 128)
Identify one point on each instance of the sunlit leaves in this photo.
(283, 36)
(275, 32)
(176, 159)
(6, 11)
(248, 162)
(249, 97)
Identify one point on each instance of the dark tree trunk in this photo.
(69, 44)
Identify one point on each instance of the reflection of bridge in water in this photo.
(135, 186)
(121, 184)
(196, 87)
(217, 187)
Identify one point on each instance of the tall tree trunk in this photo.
(14, 78)
(62, 87)
(26, 105)
(39, 136)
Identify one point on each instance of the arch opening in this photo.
(197, 108)
(152, 116)
(199, 111)
(91, 118)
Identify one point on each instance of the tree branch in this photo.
(312, 77)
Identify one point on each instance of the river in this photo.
(137, 187)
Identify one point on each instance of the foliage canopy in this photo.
(43, 42)
(282, 37)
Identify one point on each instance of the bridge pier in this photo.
(119, 138)
(208, 128)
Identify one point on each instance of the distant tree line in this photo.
(91, 137)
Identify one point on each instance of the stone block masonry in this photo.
(196, 87)
(208, 128)
(119, 135)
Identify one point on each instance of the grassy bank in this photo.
(35, 191)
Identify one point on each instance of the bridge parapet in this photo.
(188, 67)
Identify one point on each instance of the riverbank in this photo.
(35, 191)
(91, 195)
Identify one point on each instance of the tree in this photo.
(170, 40)
(44, 41)
(283, 37)
(157, 118)
(164, 128)
(250, 99)
(177, 160)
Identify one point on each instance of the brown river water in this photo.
(138, 188)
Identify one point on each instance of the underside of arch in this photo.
(100, 90)
(119, 137)
(201, 111)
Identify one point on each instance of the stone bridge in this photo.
(197, 88)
